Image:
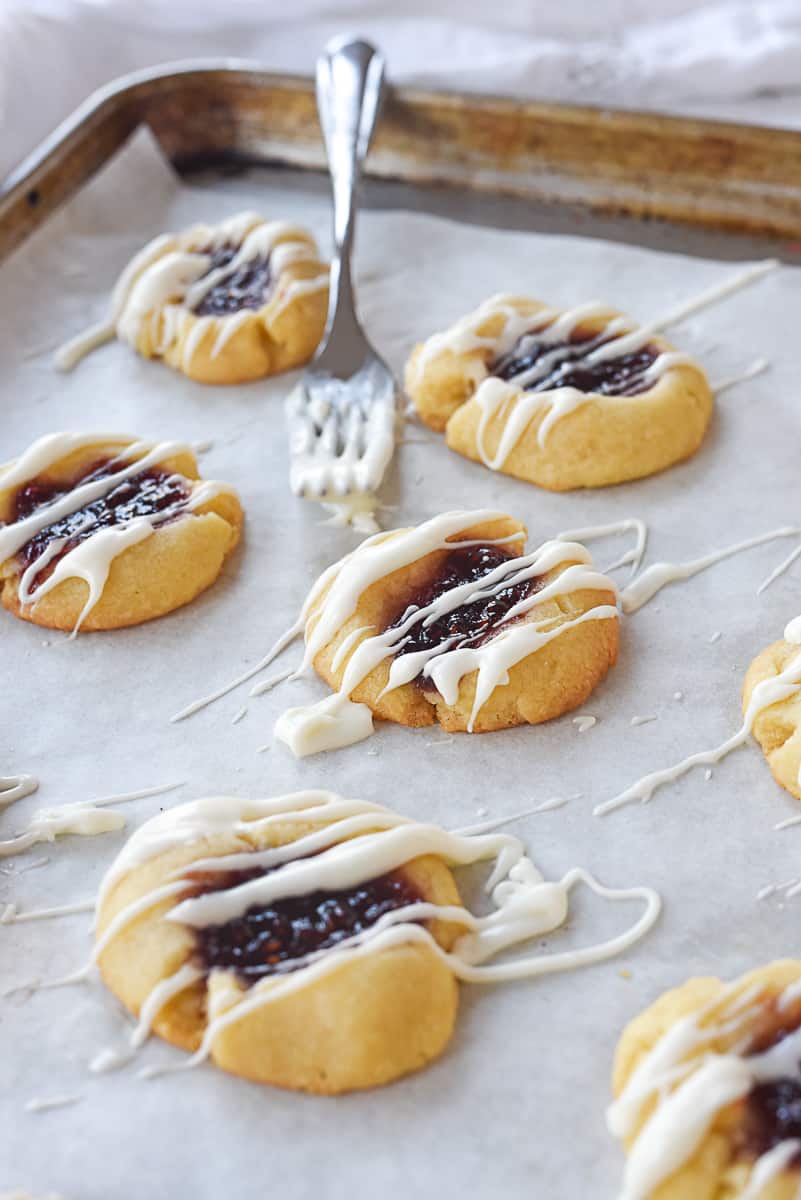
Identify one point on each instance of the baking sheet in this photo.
(516, 1104)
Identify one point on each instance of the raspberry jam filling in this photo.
(247, 287)
(772, 1109)
(148, 494)
(568, 366)
(773, 1114)
(470, 624)
(268, 939)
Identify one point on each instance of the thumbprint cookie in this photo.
(454, 622)
(707, 1085)
(564, 399)
(222, 303)
(772, 706)
(101, 531)
(314, 942)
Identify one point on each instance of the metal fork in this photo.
(342, 416)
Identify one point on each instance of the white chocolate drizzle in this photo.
(357, 510)
(757, 367)
(783, 566)
(788, 823)
(790, 887)
(691, 1083)
(285, 640)
(632, 557)
(172, 275)
(769, 691)
(47, 824)
(489, 826)
(768, 1167)
(91, 559)
(339, 721)
(770, 889)
(659, 575)
(552, 803)
(47, 1103)
(16, 787)
(513, 403)
(352, 843)
(11, 915)
(330, 724)
(110, 1059)
(267, 685)
(70, 353)
(85, 818)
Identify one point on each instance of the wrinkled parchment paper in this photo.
(516, 1106)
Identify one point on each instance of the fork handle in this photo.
(350, 80)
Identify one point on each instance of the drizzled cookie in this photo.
(101, 531)
(563, 399)
(772, 705)
(708, 1091)
(453, 622)
(315, 942)
(222, 303)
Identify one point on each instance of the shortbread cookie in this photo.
(101, 531)
(314, 942)
(452, 622)
(223, 303)
(708, 1090)
(563, 399)
(772, 706)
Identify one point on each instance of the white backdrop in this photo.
(737, 58)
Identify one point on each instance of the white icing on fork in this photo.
(352, 843)
(171, 276)
(90, 560)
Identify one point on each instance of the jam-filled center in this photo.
(773, 1107)
(154, 493)
(471, 623)
(245, 287)
(541, 366)
(773, 1114)
(272, 937)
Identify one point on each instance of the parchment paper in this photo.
(516, 1106)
